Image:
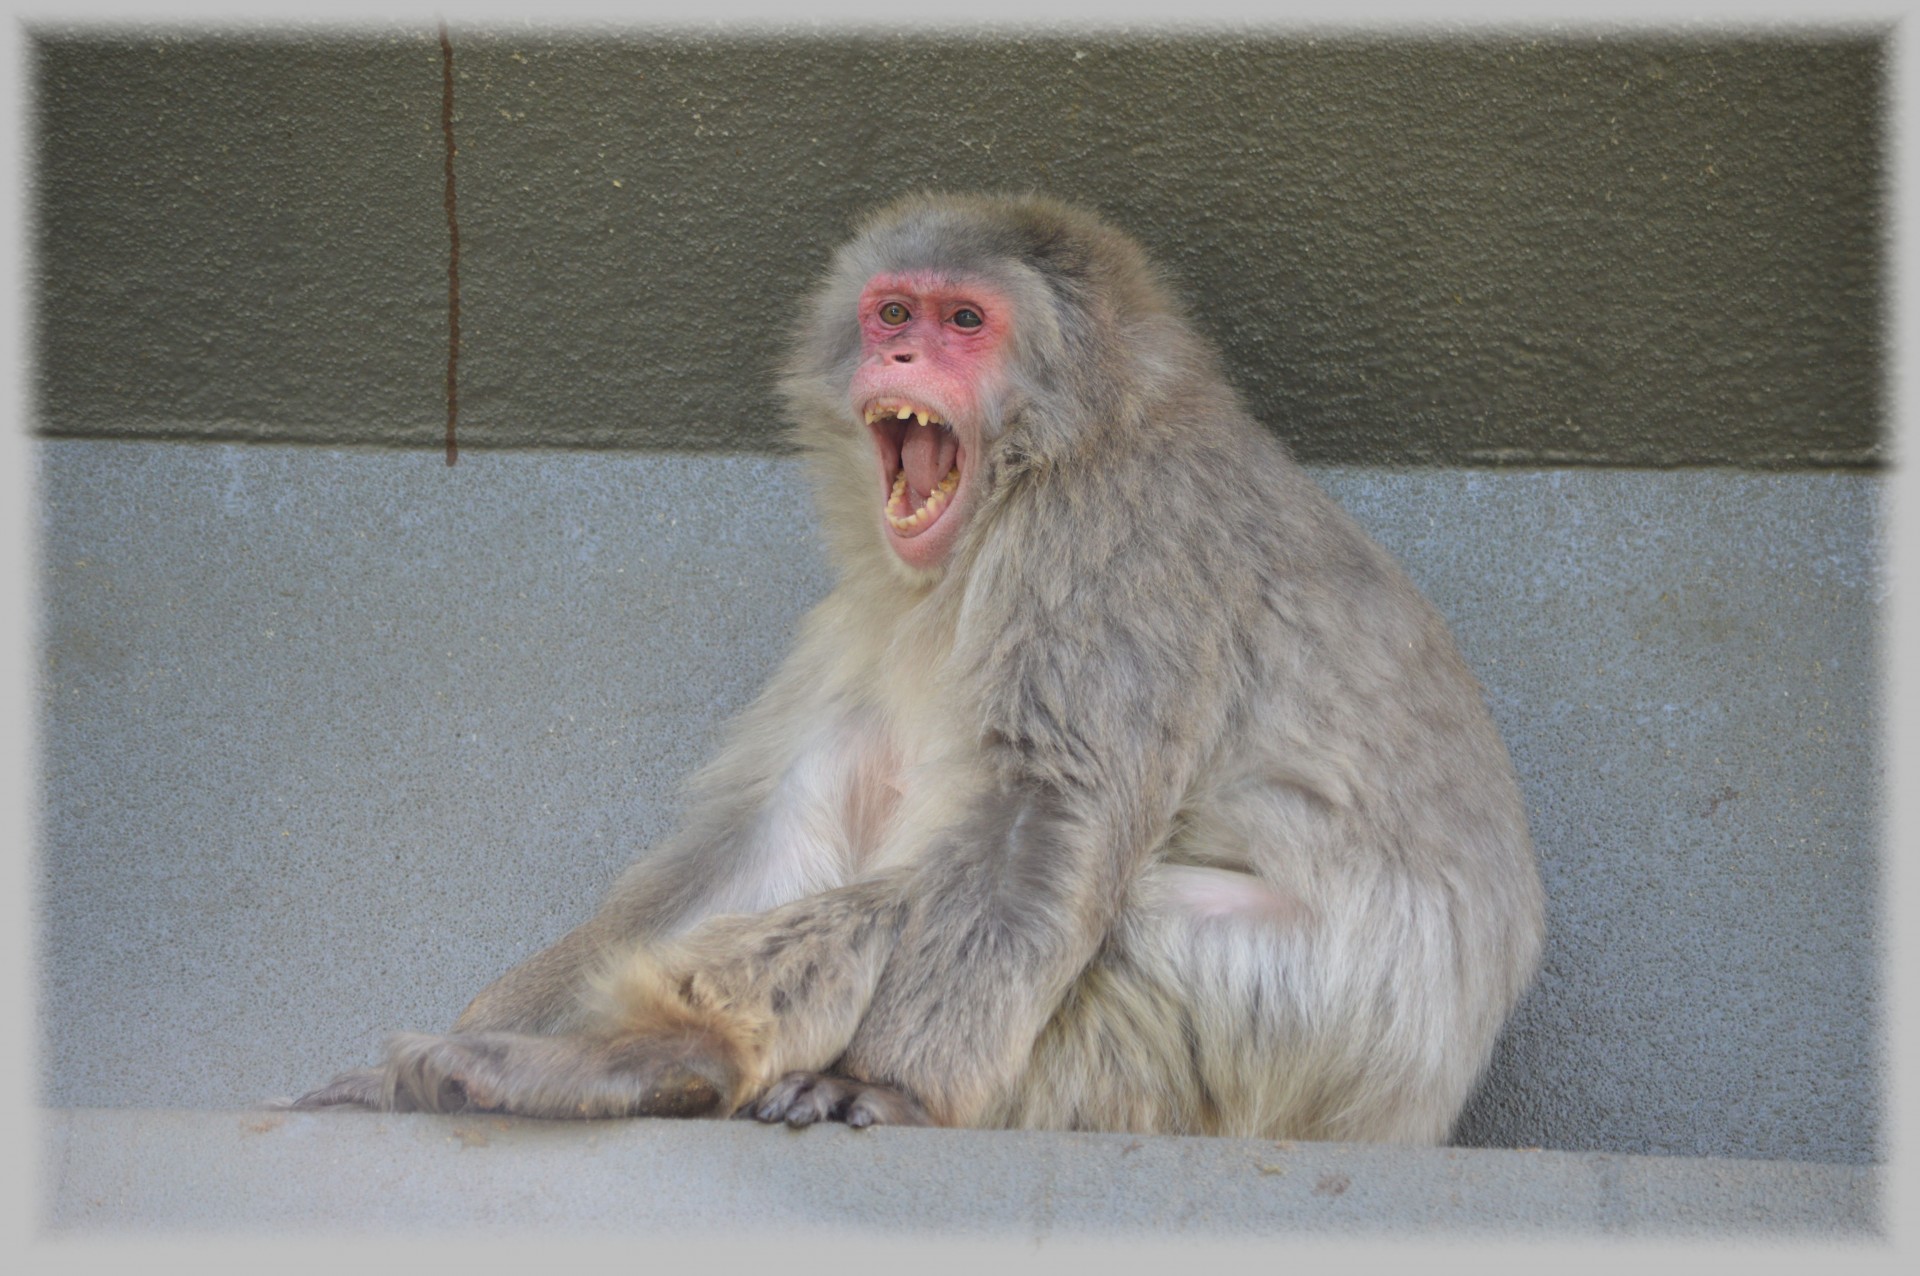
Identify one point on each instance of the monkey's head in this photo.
(959, 342)
(933, 349)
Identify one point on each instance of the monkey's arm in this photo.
(1098, 702)
(1010, 909)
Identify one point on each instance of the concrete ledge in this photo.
(361, 1173)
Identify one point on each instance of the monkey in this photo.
(1120, 783)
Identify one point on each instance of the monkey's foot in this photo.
(557, 1077)
(801, 1098)
(361, 1088)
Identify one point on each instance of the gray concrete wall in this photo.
(1522, 250)
(333, 737)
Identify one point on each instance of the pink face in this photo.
(930, 352)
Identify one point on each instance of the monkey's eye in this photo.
(967, 319)
(894, 313)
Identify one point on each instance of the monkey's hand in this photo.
(801, 1098)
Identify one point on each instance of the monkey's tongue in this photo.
(926, 454)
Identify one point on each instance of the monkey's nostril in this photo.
(903, 358)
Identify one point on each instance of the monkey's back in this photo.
(1360, 777)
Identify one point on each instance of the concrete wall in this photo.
(332, 737)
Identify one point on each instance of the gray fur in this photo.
(1165, 804)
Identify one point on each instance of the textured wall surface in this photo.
(332, 737)
(1488, 251)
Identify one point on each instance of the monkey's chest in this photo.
(888, 793)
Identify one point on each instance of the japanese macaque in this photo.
(1121, 783)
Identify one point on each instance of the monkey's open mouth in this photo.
(920, 461)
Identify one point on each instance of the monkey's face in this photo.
(930, 358)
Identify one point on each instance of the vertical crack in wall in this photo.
(453, 249)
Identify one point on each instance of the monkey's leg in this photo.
(521, 1024)
(675, 888)
(1184, 994)
(1222, 1005)
(689, 1027)
(776, 818)
(795, 798)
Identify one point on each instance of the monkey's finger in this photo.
(884, 1105)
(799, 1099)
(802, 1098)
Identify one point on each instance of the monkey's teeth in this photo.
(903, 412)
(936, 501)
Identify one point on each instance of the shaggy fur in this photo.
(1164, 804)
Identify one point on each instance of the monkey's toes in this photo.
(361, 1088)
(439, 1074)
